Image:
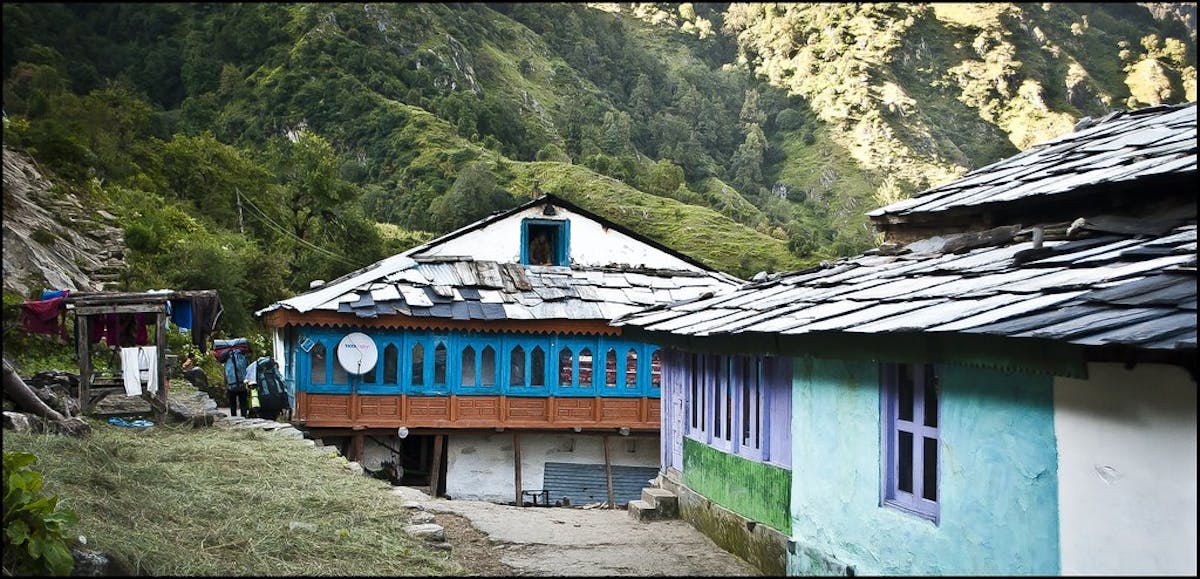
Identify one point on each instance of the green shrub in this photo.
(35, 528)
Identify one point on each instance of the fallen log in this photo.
(24, 397)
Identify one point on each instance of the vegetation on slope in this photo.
(266, 141)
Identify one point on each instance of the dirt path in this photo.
(491, 539)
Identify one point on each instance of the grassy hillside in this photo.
(751, 136)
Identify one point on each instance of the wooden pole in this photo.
(83, 349)
(435, 476)
(517, 467)
(160, 342)
(608, 474)
(357, 450)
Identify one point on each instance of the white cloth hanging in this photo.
(139, 366)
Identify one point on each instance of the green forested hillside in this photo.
(255, 147)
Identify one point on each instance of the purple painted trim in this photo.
(893, 496)
(717, 389)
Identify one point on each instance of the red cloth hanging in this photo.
(46, 316)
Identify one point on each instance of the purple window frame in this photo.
(715, 390)
(922, 428)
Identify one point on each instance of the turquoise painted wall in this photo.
(755, 490)
(998, 476)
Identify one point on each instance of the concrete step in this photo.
(663, 501)
(642, 511)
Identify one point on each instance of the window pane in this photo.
(904, 462)
(931, 397)
(747, 400)
(656, 369)
(631, 369)
(610, 368)
(418, 364)
(718, 392)
(487, 371)
(694, 376)
(585, 368)
(369, 376)
(564, 367)
(930, 472)
(339, 373)
(468, 366)
(516, 367)
(757, 375)
(439, 365)
(537, 367)
(390, 356)
(905, 389)
(318, 364)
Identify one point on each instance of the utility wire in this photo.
(280, 229)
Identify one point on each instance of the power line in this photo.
(280, 229)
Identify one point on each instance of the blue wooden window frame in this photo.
(911, 396)
(383, 383)
(562, 247)
(403, 343)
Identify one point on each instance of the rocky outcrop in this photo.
(51, 240)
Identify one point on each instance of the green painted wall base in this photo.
(760, 492)
(759, 545)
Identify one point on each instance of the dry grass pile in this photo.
(180, 501)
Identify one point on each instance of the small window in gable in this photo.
(545, 242)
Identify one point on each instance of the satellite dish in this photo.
(357, 353)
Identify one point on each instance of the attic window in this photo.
(545, 242)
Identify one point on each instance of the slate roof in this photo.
(468, 289)
(1098, 281)
(1120, 147)
(1108, 289)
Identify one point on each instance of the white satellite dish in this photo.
(357, 353)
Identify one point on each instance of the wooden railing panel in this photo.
(390, 411)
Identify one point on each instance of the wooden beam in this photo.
(83, 349)
(435, 475)
(91, 310)
(160, 342)
(517, 466)
(356, 452)
(608, 474)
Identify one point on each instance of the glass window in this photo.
(318, 364)
(585, 368)
(487, 371)
(537, 367)
(339, 373)
(516, 367)
(391, 355)
(564, 367)
(610, 368)
(631, 369)
(418, 365)
(468, 366)
(656, 369)
(912, 394)
(439, 365)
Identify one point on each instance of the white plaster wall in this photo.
(591, 244)
(1127, 470)
(480, 466)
